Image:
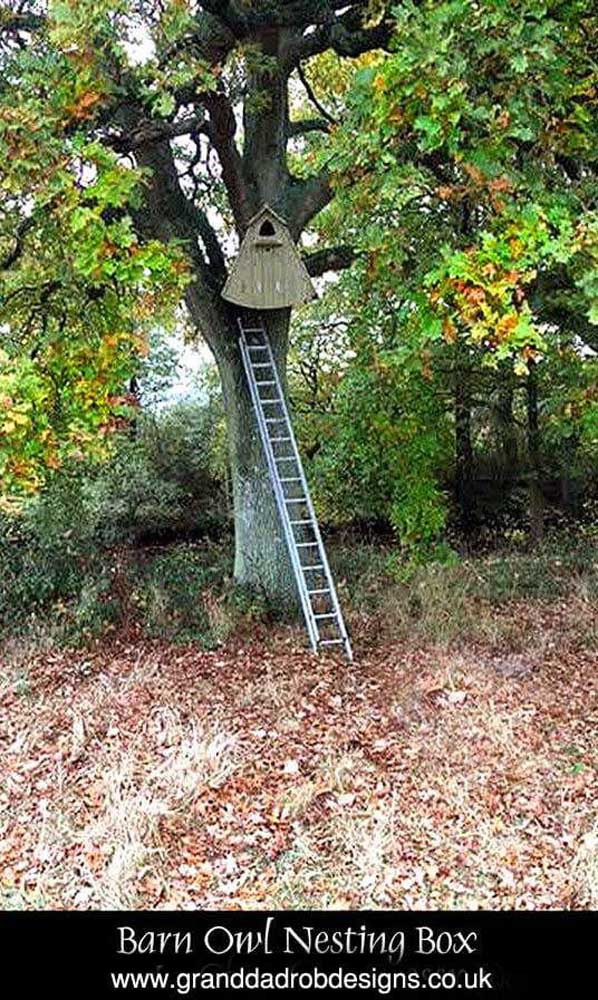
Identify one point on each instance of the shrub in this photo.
(163, 484)
(175, 590)
(167, 483)
(446, 600)
(47, 554)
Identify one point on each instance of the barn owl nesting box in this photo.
(269, 272)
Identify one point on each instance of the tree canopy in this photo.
(119, 139)
(464, 166)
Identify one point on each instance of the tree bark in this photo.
(463, 445)
(261, 558)
(506, 429)
(569, 482)
(262, 562)
(536, 497)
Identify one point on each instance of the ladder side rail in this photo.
(278, 493)
(312, 513)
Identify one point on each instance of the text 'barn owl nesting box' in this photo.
(269, 272)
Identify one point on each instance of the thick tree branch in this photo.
(168, 214)
(237, 16)
(14, 22)
(211, 244)
(19, 237)
(347, 36)
(329, 259)
(223, 127)
(307, 198)
(148, 131)
(265, 122)
(310, 125)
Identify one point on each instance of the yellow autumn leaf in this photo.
(20, 419)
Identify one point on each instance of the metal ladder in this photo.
(319, 600)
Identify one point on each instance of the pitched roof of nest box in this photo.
(268, 272)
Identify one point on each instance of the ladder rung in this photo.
(317, 566)
(302, 522)
(325, 590)
(261, 364)
(295, 500)
(291, 479)
(255, 329)
(257, 347)
(276, 402)
(331, 642)
(319, 617)
(275, 420)
(269, 382)
(274, 440)
(307, 545)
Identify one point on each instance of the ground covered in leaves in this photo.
(142, 774)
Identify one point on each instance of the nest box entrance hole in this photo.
(267, 229)
(267, 236)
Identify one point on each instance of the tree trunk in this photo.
(462, 390)
(261, 558)
(536, 498)
(463, 445)
(257, 174)
(262, 562)
(569, 481)
(505, 424)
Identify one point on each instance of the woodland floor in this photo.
(146, 775)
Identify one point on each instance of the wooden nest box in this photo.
(269, 272)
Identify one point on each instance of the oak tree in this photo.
(135, 136)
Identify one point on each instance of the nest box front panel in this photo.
(269, 272)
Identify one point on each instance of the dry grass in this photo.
(143, 775)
